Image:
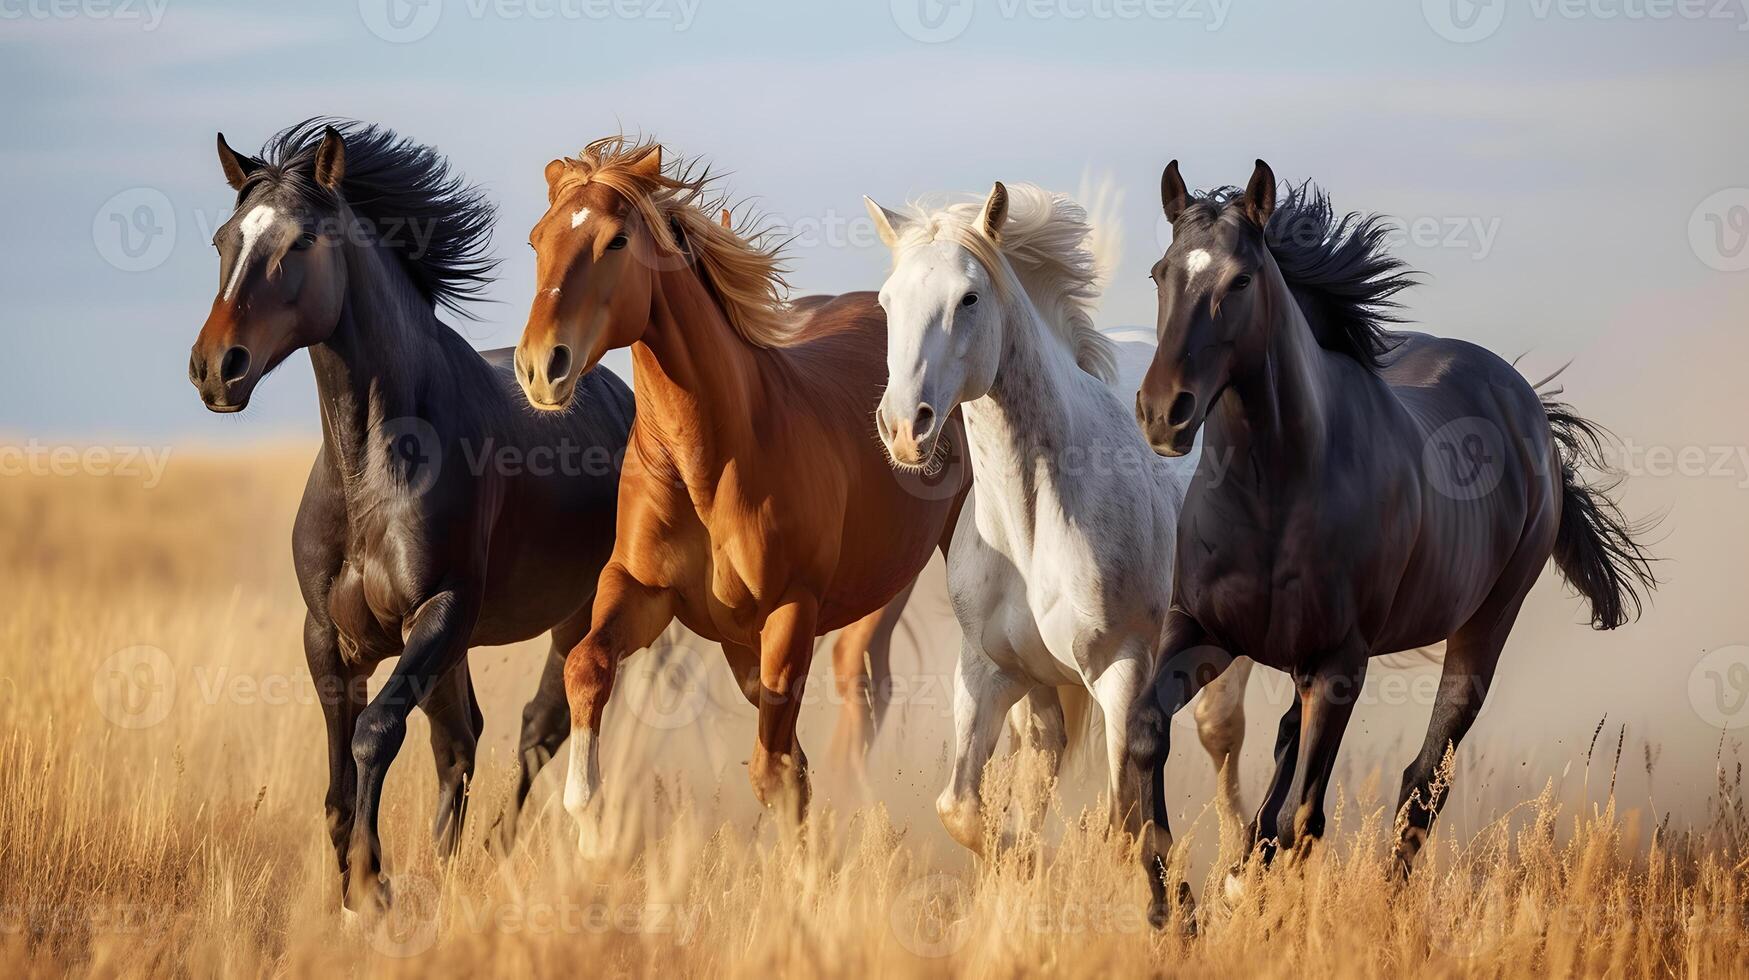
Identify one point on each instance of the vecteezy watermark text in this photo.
(34, 458)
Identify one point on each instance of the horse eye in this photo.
(304, 241)
(1241, 281)
(619, 241)
(971, 299)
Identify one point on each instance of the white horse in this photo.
(1062, 574)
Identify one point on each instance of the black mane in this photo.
(1337, 268)
(438, 224)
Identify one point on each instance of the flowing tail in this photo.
(1596, 549)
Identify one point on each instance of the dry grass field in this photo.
(162, 768)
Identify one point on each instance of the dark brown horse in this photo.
(1360, 492)
(411, 540)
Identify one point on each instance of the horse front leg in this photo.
(1328, 692)
(628, 616)
(1186, 663)
(544, 727)
(779, 768)
(982, 694)
(456, 724)
(341, 687)
(1117, 689)
(436, 642)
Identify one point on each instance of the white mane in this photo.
(1049, 246)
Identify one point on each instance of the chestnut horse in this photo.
(756, 504)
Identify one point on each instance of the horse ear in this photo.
(727, 223)
(554, 171)
(887, 223)
(1260, 195)
(331, 159)
(995, 212)
(237, 167)
(650, 164)
(1174, 196)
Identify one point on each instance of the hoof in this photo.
(1183, 907)
(368, 897)
(964, 823)
(1233, 888)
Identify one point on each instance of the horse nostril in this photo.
(558, 364)
(234, 365)
(925, 422)
(1182, 406)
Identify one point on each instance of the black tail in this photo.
(1595, 549)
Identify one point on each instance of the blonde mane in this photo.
(1046, 242)
(743, 271)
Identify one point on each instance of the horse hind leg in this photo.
(1471, 656)
(1036, 724)
(1220, 724)
(861, 666)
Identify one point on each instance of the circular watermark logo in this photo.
(1718, 687)
(944, 475)
(1465, 458)
(415, 452)
(408, 926)
(135, 687)
(1718, 230)
(673, 688)
(932, 21)
(135, 230)
(1464, 21)
(930, 917)
(401, 21)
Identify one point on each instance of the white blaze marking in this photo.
(1197, 261)
(578, 217)
(252, 225)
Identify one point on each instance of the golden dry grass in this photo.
(162, 767)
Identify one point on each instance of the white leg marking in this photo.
(582, 785)
(252, 225)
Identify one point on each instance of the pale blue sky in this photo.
(1553, 165)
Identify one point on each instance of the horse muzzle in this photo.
(226, 382)
(910, 437)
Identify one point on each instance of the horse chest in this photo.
(1272, 592)
(378, 587)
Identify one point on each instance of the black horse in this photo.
(441, 513)
(1361, 492)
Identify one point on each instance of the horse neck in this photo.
(378, 360)
(1028, 415)
(1275, 415)
(696, 380)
